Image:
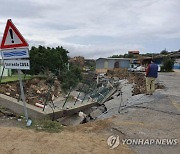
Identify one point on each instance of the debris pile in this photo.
(139, 83)
(159, 86)
(118, 72)
(36, 90)
(80, 61)
(138, 80)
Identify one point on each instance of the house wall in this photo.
(7, 72)
(124, 64)
(102, 65)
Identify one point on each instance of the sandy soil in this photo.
(88, 138)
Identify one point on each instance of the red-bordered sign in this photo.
(12, 38)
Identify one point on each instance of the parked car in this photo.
(137, 69)
(140, 69)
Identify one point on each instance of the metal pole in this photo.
(22, 94)
(2, 74)
(49, 91)
(83, 98)
(119, 110)
(67, 97)
(68, 66)
(97, 79)
(77, 98)
(3, 68)
(85, 94)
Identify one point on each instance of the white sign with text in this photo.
(17, 64)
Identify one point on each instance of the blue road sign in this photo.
(15, 53)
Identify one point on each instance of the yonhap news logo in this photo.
(139, 141)
(114, 141)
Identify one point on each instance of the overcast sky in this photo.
(96, 28)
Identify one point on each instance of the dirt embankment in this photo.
(36, 90)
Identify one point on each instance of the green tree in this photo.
(117, 56)
(167, 64)
(164, 52)
(44, 59)
(123, 56)
(55, 60)
(128, 55)
(71, 78)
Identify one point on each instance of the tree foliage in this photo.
(167, 64)
(123, 56)
(44, 59)
(164, 52)
(70, 78)
(117, 56)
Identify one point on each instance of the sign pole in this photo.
(22, 94)
(2, 74)
(2, 70)
(15, 48)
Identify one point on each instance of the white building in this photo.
(7, 72)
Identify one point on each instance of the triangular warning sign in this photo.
(12, 38)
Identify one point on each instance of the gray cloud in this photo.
(96, 28)
(95, 51)
(19, 9)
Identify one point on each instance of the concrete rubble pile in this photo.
(139, 83)
(137, 79)
(120, 73)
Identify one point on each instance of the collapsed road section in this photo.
(46, 99)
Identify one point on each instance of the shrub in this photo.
(167, 64)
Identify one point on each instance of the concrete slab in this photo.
(37, 113)
(113, 105)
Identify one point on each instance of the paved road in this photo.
(172, 83)
(154, 117)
